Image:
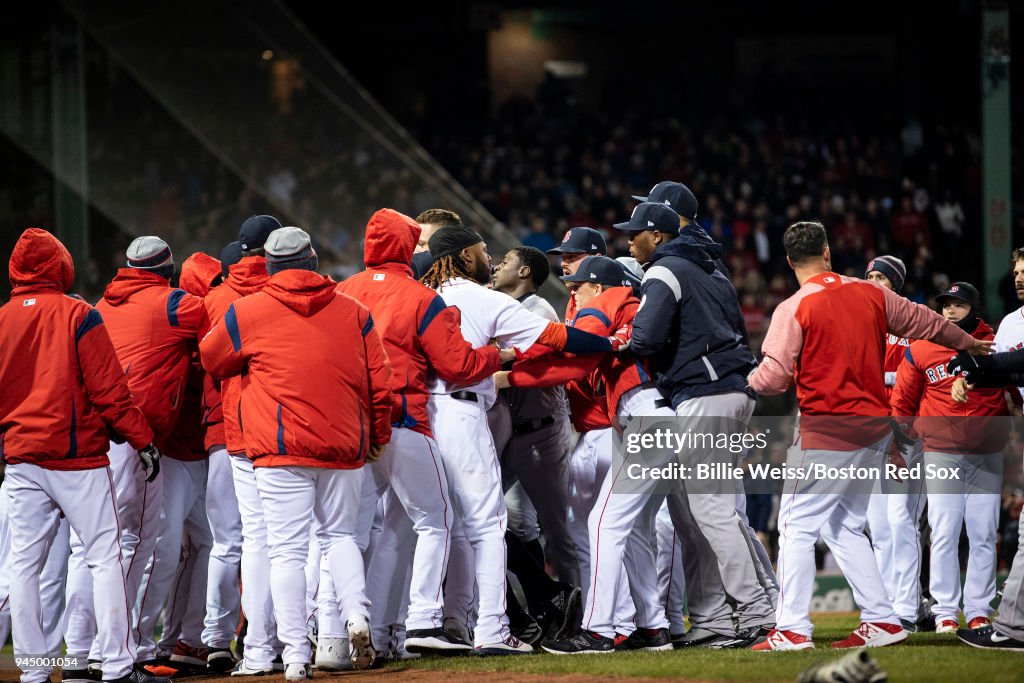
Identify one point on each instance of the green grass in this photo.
(924, 657)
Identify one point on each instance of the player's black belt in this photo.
(464, 396)
(663, 403)
(530, 426)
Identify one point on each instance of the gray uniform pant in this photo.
(1010, 621)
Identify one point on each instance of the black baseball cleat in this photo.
(650, 639)
(435, 641)
(988, 638)
(583, 643)
(701, 637)
(80, 676)
(140, 675)
(742, 641)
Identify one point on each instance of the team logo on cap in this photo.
(871, 265)
(650, 224)
(567, 233)
(954, 288)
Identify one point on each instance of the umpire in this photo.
(689, 324)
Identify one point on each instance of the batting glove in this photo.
(620, 340)
(150, 458)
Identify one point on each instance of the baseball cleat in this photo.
(454, 627)
(510, 646)
(220, 659)
(979, 622)
(583, 643)
(332, 654)
(530, 633)
(650, 639)
(79, 676)
(360, 645)
(780, 641)
(873, 634)
(190, 654)
(947, 626)
(243, 669)
(140, 675)
(988, 638)
(697, 637)
(435, 641)
(742, 640)
(297, 671)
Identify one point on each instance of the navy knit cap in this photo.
(891, 267)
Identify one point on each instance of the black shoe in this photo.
(651, 639)
(583, 643)
(988, 638)
(744, 639)
(530, 633)
(79, 676)
(435, 641)
(925, 624)
(700, 637)
(140, 675)
(221, 660)
(562, 615)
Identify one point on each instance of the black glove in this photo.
(150, 458)
(903, 442)
(967, 364)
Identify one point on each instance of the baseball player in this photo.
(223, 599)
(430, 221)
(805, 332)
(970, 437)
(681, 199)
(894, 517)
(421, 337)
(64, 392)
(154, 328)
(246, 277)
(576, 244)
(308, 462)
(460, 270)
(184, 472)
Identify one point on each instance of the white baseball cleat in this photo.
(332, 654)
(298, 672)
(359, 642)
(947, 626)
(873, 634)
(510, 646)
(781, 641)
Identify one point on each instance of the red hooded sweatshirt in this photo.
(186, 441)
(420, 333)
(63, 388)
(155, 329)
(610, 375)
(923, 388)
(220, 399)
(319, 385)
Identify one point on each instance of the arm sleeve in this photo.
(907, 319)
(379, 369)
(187, 315)
(906, 393)
(781, 349)
(221, 350)
(454, 359)
(558, 368)
(105, 382)
(652, 327)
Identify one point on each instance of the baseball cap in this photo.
(675, 195)
(581, 241)
(229, 256)
(651, 216)
(255, 231)
(963, 291)
(601, 270)
(149, 253)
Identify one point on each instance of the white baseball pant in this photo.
(588, 467)
(261, 637)
(186, 605)
(223, 599)
(35, 498)
(390, 590)
(622, 532)
(184, 505)
(292, 497)
(972, 502)
(474, 482)
(836, 510)
(671, 580)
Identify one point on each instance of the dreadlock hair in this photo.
(444, 269)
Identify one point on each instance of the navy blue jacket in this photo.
(689, 323)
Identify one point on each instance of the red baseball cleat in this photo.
(979, 622)
(784, 640)
(873, 634)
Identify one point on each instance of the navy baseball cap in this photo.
(581, 241)
(964, 291)
(651, 216)
(602, 270)
(255, 231)
(229, 256)
(675, 195)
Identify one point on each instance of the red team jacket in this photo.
(63, 388)
(419, 332)
(155, 329)
(611, 375)
(220, 411)
(923, 388)
(187, 440)
(829, 339)
(586, 410)
(895, 350)
(310, 400)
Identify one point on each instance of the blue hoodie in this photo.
(689, 322)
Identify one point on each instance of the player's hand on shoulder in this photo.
(982, 347)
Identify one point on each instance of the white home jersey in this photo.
(486, 315)
(1010, 336)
